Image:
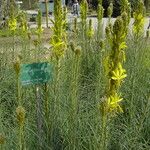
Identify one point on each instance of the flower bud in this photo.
(20, 111)
(78, 51)
(118, 26)
(110, 10)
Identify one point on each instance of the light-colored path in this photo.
(94, 20)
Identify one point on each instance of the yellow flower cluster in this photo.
(12, 24)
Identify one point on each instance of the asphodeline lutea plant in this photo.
(39, 29)
(73, 113)
(22, 19)
(138, 16)
(110, 11)
(59, 30)
(84, 10)
(115, 72)
(126, 7)
(100, 13)
(59, 47)
(12, 22)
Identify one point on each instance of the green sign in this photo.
(36, 73)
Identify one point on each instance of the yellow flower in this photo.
(113, 103)
(39, 30)
(119, 73)
(12, 24)
(90, 33)
(58, 47)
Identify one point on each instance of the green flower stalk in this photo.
(23, 30)
(23, 24)
(100, 13)
(12, 25)
(65, 11)
(39, 30)
(90, 32)
(138, 15)
(138, 34)
(110, 11)
(17, 70)
(12, 22)
(84, 10)
(59, 46)
(20, 112)
(74, 97)
(116, 74)
(75, 24)
(57, 40)
(46, 8)
(126, 7)
(75, 27)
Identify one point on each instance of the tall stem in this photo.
(46, 9)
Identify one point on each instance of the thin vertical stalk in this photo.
(39, 117)
(46, 110)
(46, 9)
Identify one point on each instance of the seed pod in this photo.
(78, 51)
(20, 111)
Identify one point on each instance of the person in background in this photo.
(75, 8)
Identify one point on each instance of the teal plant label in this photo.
(36, 73)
